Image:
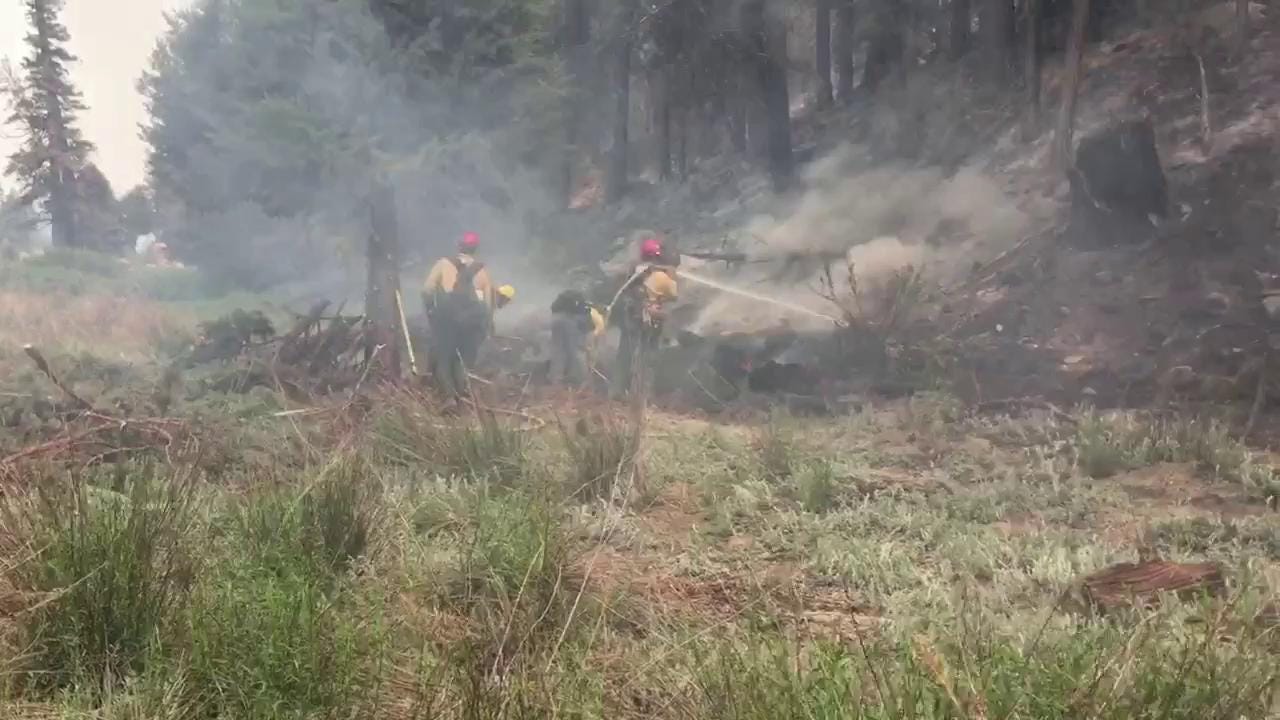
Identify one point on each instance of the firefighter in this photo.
(460, 301)
(576, 325)
(640, 308)
(503, 296)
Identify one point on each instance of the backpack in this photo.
(573, 303)
(461, 302)
(569, 302)
(466, 281)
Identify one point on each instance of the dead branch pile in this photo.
(318, 356)
(92, 437)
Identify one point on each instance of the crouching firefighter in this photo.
(640, 309)
(459, 300)
(575, 327)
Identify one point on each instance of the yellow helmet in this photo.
(507, 292)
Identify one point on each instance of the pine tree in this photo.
(43, 106)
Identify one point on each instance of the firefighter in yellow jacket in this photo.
(460, 300)
(641, 309)
(576, 327)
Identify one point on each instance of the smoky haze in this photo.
(883, 218)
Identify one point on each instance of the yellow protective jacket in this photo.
(660, 286)
(597, 323)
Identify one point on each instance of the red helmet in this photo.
(469, 242)
(651, 249)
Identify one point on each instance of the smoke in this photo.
(269, 188)
(882, 219)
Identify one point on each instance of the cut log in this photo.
(1143, 584)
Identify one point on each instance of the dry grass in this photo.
(111, 326)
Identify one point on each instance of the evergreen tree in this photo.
(43, 106)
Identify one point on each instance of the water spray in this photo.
(686, 275)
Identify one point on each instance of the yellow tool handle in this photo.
(404, 327)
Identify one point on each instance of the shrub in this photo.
(110, 567)
(482, 449)
(1100, 448)
(516, 576)
(318, 533)
(776, 451)
(599, 456)
(815, 486)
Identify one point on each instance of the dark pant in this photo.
(569, 334)
(456, 337)
(637, 344)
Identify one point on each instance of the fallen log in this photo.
(1144, 584)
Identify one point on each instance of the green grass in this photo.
(463, 568)
(1109, 444)
(271, 644)
(1154, 670)
(109, 564)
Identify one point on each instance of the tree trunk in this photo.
(906, 21)
(660, 89)
(685, 109)
(62, 218)
(616, 180)
(577, 30)
(843, 47)
(683, 113)
(822, 52)
(62, 210)
(884, 52)
(383, 257)
(961, 25)
(993, 24)
(1242, 27)
(738, 105)
(1033, 61)
(1071, 84)
(767, 37)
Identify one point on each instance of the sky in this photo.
(113, 40)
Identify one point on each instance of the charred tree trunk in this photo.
(616, 180)
(907, 19)
(961, 26)
(1071, 84)
(993, 24)
(738, 121)
(1242, 27)
(822, 52)
(768, 42)
(660, 101)
(1032, 67)
(684, 109)
(885, 50)
(577, 31)
(383, 257)
(842, 45)
(683, 113)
